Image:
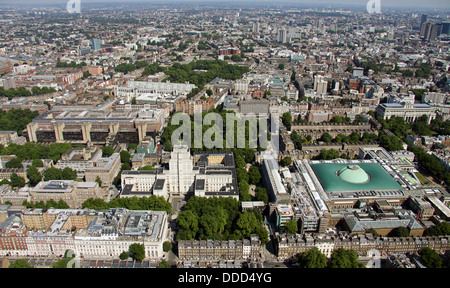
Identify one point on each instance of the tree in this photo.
(20, 263)
(137, 251)
(187, 223)
(99, 181)
(430, 258)
(391, 142)
(327, 154)
(107, 151)
(14, 163)
(312, 259)
(441, 229)
(64, 262)
(17, 181)
(261, 194)
(124, 255)
(247, 223)
(243, 191)
(37, 163)
(167, 246)
(286, 161)
(52, 173)
(254, 175)
(163, 264)
(344, 258)
(33, 175)
(290, 227)
(399, 232)
(68, 174)
(286, 119)
(124, 156)
(326, 137)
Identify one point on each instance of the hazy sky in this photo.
(445, 4)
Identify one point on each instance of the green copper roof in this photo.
(347, 177)
(353, 174)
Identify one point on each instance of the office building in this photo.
(89, 233)
(72, 192)
(97, 127)
(282, 35)
(410, 112)
(95, 43)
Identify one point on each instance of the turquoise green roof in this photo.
(365, 177)
(353, 174)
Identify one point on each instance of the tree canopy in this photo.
(312, 259)
(218, 218)
(155, 203)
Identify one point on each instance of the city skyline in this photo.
(443, 4)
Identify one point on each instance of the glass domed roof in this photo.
(353, 174)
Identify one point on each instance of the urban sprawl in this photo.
(127, 137)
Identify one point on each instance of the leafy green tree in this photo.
(244, 191)
(290, 227)
(16, 119)
(430, 258)
(17, 181)
(99, 181)
(286, 119)
(146, 168)
(391, 142)
(137, 251)
(20, 263)
(14, 163)
(441, 229)
(167, 246)
(261, 194)
(399, 232)
(187, 223)
(33, 175)
(326, 137)
(124, 255)
(68, 174)
(344, 258)
(327, 154)
(312, 259)
(254, 175)
(95, 204)
(107, 151)
(37, 163)
(124, 156)
(286, 161)
(63, 263)
(163, 264)
(247, 223)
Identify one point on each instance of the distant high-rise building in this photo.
(434, 32)
(320, 85)
(255, 28)
(95, 44)
(425, 29)
(446, 27)
(282, 35)
(423, 19)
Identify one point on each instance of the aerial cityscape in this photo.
(209, 134)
